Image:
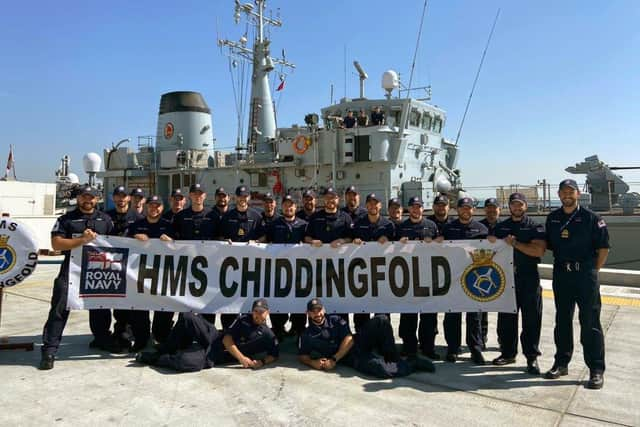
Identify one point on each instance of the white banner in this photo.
(219, 277)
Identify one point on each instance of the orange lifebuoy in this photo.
(301, 144)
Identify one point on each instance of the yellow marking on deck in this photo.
(606, 299)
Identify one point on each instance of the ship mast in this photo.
(262, 116)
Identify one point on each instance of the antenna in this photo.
(415, 53)
(473, 87)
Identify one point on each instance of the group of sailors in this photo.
(578, 238)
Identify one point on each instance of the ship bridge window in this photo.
(426, 121)
(414, 118)
(437, 124)
(395, 118)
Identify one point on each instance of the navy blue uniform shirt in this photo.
(169, 215)
(576, 237)
(122, 221)
(283, 231)
(241, 226)
(190, 225)
(417, 230)
(252, 339)
(72, 224)
(324, 339)
(329, 227)
(152, 230)
(303, 215)
(439, 224)
(357, 213)
(456, 230)
(268, 220)
(524, 231)
(490, 227)
(366, 231)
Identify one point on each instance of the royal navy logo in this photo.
(483, 280)
(104, 272)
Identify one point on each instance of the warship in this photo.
(398, 151)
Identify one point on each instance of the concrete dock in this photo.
(90, 387)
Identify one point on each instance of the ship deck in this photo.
(92, 387)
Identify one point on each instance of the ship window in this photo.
(187, 180)
(262, 179)
(362, 149)
(175, 181)
(437, 125)
(414, 118)
(426, 121)
(395, 118)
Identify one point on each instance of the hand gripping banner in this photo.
(219, 277)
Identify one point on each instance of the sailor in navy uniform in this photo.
(330, 225)
(197, 222)
(221, 207)
(153, 226)
(372, 227)
(428, 328)
(195, 344)
(123, 216)
(579, 240)
(177, 202)
(288, 229)
(240, 224)
(464, 228)
(308, 205)
(394, 211)
(491, 220)
(269, 214)
(138, 200)
(528, 239)
(418, 228)
(327, 341)
(352, 204)
(71, 230)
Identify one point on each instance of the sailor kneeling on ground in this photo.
(195, 344)
(327, 341)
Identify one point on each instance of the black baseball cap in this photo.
(268, 196)
(330, 191)
(119, 190)
(87, 189)
(517, 197)
(177, 193)
(220, 190)
(491, 201)
(242, 190)
(415, 200)
(394, 201)
(351, 189)
(287, 198)
(308, 193)
(372, 196)
(441, 199)
(154, 199)
(569, 183)
(465, 201)
(314, 304)
(197, 187)
(260, 304)
(137, 192)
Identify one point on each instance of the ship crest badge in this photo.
(483, 280)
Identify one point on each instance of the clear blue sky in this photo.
(561, 80)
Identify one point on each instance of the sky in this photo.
(561, 79)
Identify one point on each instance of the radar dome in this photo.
(73, 178)
(91, 162)
(390, 80)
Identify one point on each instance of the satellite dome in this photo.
(73, 178)
(390, 80)
(91, 162)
